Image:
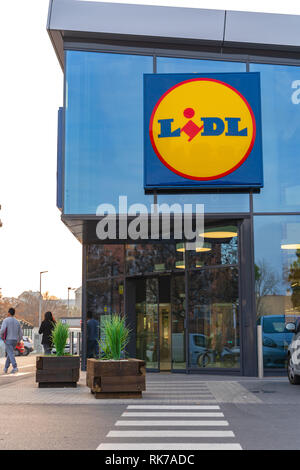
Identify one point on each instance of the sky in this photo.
(33, 238)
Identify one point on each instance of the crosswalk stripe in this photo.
(177, 423)
(189, 399)
(185, 433)
(170, 414)
(137, 418)
(167, 446)
(177, 387)
(173, 407)
(194, 393)
(186, 382)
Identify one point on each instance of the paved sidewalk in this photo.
(165, 388)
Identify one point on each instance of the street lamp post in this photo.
(40, 298)
(69, 288)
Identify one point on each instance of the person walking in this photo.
(11, 332)
(92, 336)
(46, 328)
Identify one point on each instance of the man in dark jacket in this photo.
(92, 328)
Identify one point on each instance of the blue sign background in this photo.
(158, 176)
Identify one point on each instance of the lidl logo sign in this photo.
(196, 125)
(202, 131)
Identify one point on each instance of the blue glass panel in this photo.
(176, 65)
(212, 202)
(280, 94)
(277, 282)
(104, 130)
(59, 173)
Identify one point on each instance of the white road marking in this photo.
(173, 407)
(185, 433)
(137, 428)
(170, 423)
(175, 414)
(167, 446)
(194, 393)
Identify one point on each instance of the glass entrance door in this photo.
(165, 350)
(160, 312)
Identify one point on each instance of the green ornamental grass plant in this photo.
(60, 336)
(115, 338)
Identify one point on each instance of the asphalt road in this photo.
(28, 427)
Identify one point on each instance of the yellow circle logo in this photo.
(202, 129)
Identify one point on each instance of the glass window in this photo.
(181, 65)
(105, 261)
(280, 95)
(212, 202)
(214, 318)
(105, 296)
(149, 258)
(104, 130)
(277, 282)
(178, 321)
(220, 247)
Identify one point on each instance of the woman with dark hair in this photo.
(46, 329)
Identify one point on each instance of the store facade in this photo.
(189, 310)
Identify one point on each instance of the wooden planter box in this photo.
(52, 371)
(116, 379)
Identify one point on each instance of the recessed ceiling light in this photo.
(291, 246)
(205, 247)
(220, 232)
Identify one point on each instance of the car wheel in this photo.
(293, 378)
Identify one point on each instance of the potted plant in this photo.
(113, 375)
(61, 369)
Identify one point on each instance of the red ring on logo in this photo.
(198, 178)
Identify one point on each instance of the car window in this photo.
(199, 341)
(274, 325)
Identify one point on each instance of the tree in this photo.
(294, 280)
(266, 282)
(27, 306)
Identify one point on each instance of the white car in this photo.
(28, 345)
(293, 366)
(2, 348)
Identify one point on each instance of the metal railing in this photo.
(75, 343)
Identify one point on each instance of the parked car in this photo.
(20, 349)
(276, 339)
(23, 348)
(28, 345)
(293, 359)
(2, 348)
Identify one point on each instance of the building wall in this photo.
(103, 158)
